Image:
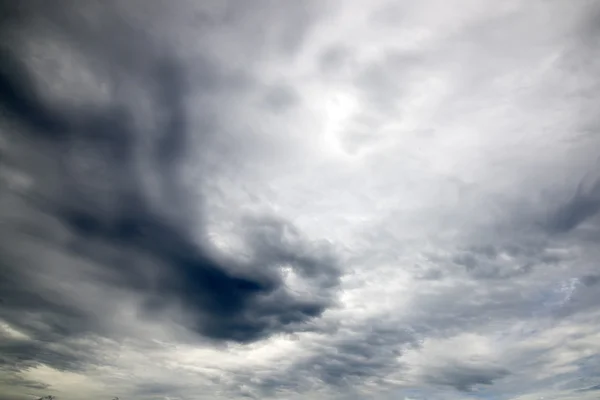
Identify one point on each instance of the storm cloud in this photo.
(93, 192)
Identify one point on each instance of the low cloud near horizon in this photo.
(262, 199)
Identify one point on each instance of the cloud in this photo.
(280, 98)
(584, 205)
(354, 357)
(96, 193)
(590, 389)
(222, 200)
(464, 378)
(155, 389)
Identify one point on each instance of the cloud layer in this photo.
(368, 200)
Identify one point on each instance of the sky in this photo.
(367, 199)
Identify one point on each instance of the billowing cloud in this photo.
(94, 192)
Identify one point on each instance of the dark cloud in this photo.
(33, 303)
(464, 377)
(93, 193)
(385, 81)
(96, 218)
(367, 353)
(497, 258)
(18, 355)
(17, 381)
(334, 58)
(590, 280)
(281, 98)
(486, 262)
(590, 389)
(19, 97)
(583, 205)
(370, 355)
(156, 389)
(281, 30)
(4, 396)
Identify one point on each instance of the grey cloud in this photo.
(281, 98)
(18, 355)
(369, 356)
(108, 211)
(93, 190)
(334, 58)
(459, 300)
(384, 82)
(278, 241)
(30, 301)
(17, 381)
(4, 396)
(503, 256)
(583, 205)
(263, 26)
(488, 262)
(363, 353)
(590, 280)
(20, 98)
(590, 389)
(464, 377)
(156, 389)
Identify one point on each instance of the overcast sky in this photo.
(373, 199)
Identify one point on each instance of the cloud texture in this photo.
(206, 199)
